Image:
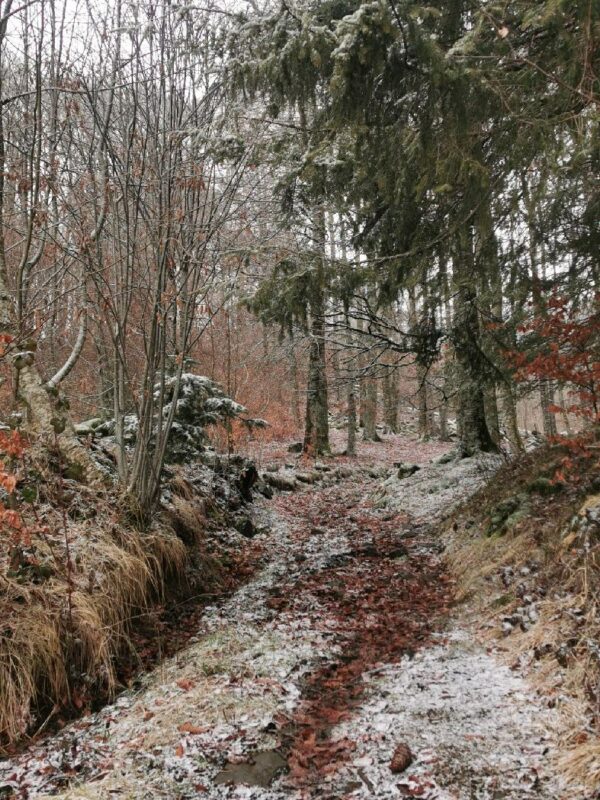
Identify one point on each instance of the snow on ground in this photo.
(437, 488)
(476, 731)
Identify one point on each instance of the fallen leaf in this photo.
(188, 727)
(186, 684)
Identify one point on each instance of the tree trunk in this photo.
(547, 400)
(351, 380)
(295, 385)
(474, 434)
(564, 413)
(491, 412)
(446, 391)
(509, 415)
(105, 385)
(370, 410)
(351, 446)
(316, 433)
(46, 419)
(537, 259)
(423, 404)
(423, 412)
(390, 400)
(50, 423)
(443, 421)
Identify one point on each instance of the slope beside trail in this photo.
(316, 678)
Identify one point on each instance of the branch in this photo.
(73, 356)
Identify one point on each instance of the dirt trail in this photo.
(306, 681)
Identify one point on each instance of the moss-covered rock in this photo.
(507, 514)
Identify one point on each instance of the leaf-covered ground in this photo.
(340, 670)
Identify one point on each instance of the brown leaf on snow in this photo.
(188, 727)
(402, 758)
(186, 684)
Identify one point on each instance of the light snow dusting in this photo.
(229, 709)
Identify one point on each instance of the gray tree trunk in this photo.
(370, 410)
(296, 412)
(390, 400)
(492, 415)
(351, 445)
(537, 259)
(509, 416)
(547, 400)
(424, 415)
(474, 435)
(351, 383)
(316, 432)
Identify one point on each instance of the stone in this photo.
(406, 470)
(507, 514)
(264, 489)
(88, 426)
(246, 527)
(285, 483)
(307, 477)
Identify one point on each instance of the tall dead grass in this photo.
(62, 638)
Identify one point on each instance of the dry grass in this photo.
(550, 533)
(580, 763)
(188, 520)
(61, 637)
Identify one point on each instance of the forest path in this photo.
(315, 678)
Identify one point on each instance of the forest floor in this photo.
(341, 669)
